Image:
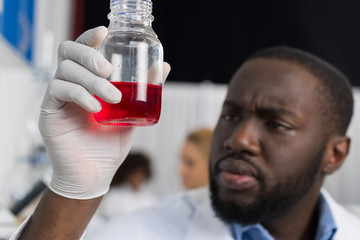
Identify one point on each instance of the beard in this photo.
(270, 202)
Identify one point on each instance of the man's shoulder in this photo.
(170, 219)
(348, 223)
(176, 207)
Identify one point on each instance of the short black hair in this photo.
(335, 92)
(135, 161)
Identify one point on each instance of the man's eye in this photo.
(229, 117)
(277, 126)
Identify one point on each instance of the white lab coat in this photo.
(123, 199)
(120, 200)
(189, 216)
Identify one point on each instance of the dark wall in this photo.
(208, 40)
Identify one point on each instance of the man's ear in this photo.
(336, 152)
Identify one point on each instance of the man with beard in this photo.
(281, 131)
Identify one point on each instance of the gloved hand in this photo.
(85, 155)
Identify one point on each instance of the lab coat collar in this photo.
(348, 225)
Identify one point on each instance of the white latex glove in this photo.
(85, 155)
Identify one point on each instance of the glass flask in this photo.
(136, 54)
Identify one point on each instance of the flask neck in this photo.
(130, 13)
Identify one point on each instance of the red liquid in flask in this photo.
(140, 105)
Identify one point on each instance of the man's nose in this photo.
(245, 138)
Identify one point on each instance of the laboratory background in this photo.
(204, 41)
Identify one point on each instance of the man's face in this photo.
(268, 142)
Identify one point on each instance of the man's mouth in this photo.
(236, 174)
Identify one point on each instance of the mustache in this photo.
(241, 157)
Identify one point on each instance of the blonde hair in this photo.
(201, 138)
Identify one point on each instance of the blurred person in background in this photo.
(194, 166)
(128, 189)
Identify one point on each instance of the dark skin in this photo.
(271, 118)
(279, 142)
(60, 218)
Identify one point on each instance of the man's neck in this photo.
(298, 222)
